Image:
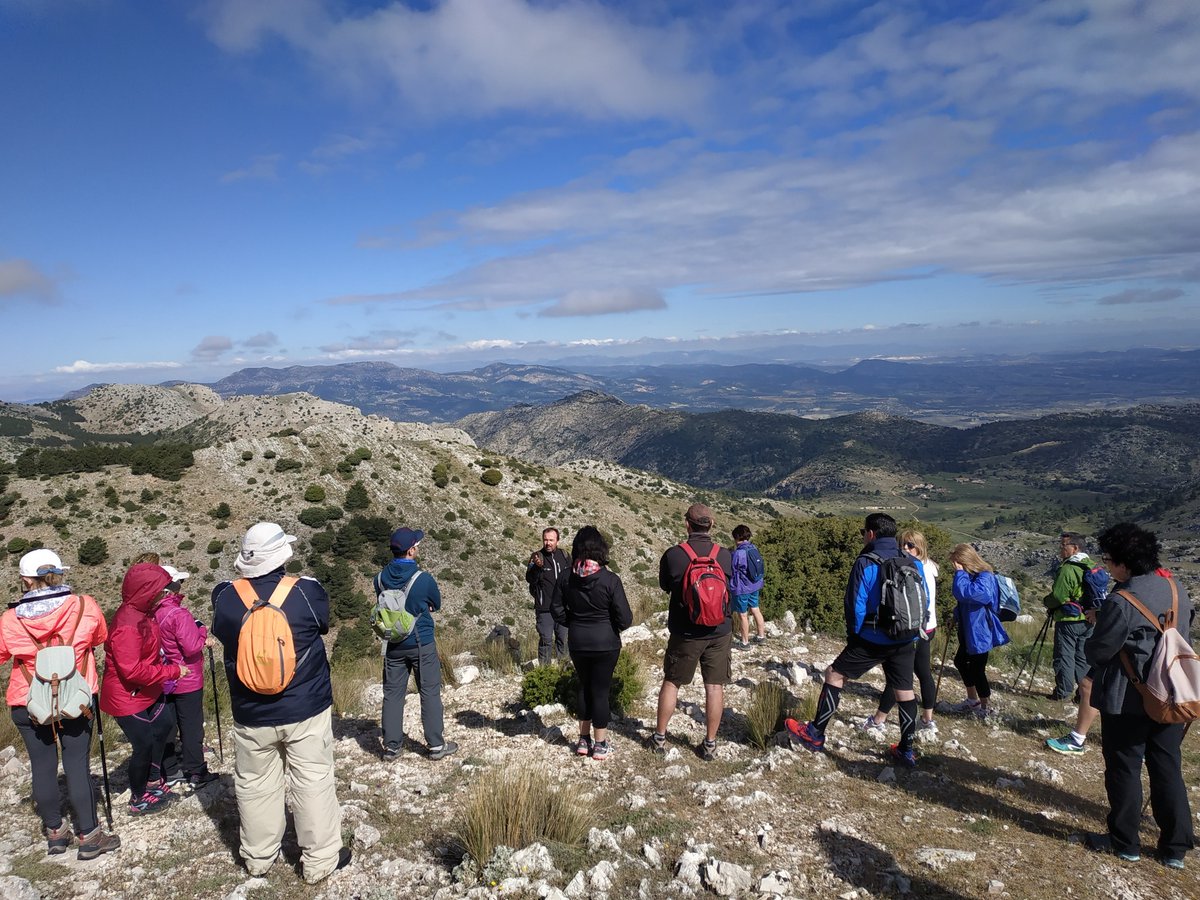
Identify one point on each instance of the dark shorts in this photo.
(859, 657)
(713, 655)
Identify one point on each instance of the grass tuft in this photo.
(764, 716)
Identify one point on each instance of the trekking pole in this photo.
(937, 690)
(1038, 641)
(212, 672)
(1040, 647)
(103, 760)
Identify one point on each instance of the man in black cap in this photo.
(415, 654)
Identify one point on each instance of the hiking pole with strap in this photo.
(212, 672)
(1037, 642)
(103, 760)
(1037, 660)
(937, 690)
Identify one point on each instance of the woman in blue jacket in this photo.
(977, 617)
(590, 600)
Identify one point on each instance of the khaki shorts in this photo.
(713, 655)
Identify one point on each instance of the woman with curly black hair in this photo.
(590, 600)
(1131, 555)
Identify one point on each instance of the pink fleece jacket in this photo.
(182, 641)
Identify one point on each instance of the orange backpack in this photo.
(266, 654)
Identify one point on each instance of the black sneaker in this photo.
(392, 751)
(149, 804)
(201, 778)
(174, 779)
(708, 751)
(658, 744)
(443, 751)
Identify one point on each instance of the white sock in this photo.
(1078, 738)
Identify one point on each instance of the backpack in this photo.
(754, 565)
(266, 654)
(705, 587)
(57, 690)
(1095, 586)
(389, 618)
(1171, 691)
(1010, 600)
(903, 599)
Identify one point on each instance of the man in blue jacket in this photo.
(866, 647)
(417, 654)
(284, 740)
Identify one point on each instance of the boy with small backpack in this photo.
(696, 573)
(406, 598)
(271, 624)
(49, 616)
(745, 585)
(1134, 653)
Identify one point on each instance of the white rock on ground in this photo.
(938, 858)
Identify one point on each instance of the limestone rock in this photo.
(726, 879)
(366, 836)
(938, 858)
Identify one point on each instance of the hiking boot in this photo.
(708, 751)
(759, 639)
(984, 713)
(57, 839)
(392, 751)
(930, 726)
(805, 735)
(447, 749)
(583, 746)
(201, 778)
(741, 645)
(904, 758)
(1102, 843)
(965, 707)
(601, 751)
(96, 842)
(1065, 745)
(1173, 862)
(658, 744)
(149, 804)
(175, 779)
(870, 726)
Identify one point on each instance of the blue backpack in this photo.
(1095, 586)
(1010, 600)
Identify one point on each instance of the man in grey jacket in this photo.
(1129, 735)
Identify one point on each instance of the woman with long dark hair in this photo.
(590, 601)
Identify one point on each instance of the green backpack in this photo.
(389, 619)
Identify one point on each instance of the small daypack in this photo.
(1010, 600)
(266, 654)
(57, 690)
(705, 587)
(1095, 586)
(389, 618)
(754, 565)
(903, 599)
(1171, 691)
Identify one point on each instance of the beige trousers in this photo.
(297, 758)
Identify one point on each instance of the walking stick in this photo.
(212, 672)
(937, 690)
(103, 760)
(1038, 642)
(1037, 660)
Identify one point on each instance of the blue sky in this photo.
(187, 188)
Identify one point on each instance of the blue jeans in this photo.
(1070, 665)
(423, 664)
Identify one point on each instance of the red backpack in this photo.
(705, 587)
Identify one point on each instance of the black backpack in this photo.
(903, 600)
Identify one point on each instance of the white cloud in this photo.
(600, 302)
(262, 168)
(22, 280)
(83, 367)
(465, 56)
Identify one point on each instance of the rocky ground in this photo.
(988, 811)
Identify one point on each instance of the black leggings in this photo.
(186, 751)
(595, 671)
(923, 666)
(148, 733)
(973, 669)
(75, 738)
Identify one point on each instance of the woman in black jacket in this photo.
(590, 601)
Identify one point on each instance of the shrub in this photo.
(628, 685)
(498, 656)
(517, 809)
(221, 511)
(764, 715)
(357, 497)
(313, 516)
(187, 545)
(247, 455)
(93, 551)
(540, 686)
(441, 475)
(355, 641)
(269, 454)
(283, 464)
(492, 477)
(314, 493)
(216, 545)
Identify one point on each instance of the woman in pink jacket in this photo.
(132, 689)
(49, 613)
(183, 640)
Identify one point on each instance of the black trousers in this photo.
(1127, 741)
(923, 668)
(595, 671)
(973, 669)
(186, 751)
(148, 732)
(75, 739)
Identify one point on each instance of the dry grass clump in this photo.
(764, 716)
(349, 678)
(498, 656)
(516, 809)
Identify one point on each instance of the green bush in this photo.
(247, 455)
(628, 685)
(221, 511)
(540, 686)
(313, 516)
(357, 497)
(215, 546)
(441, 475)
(492, 477)
(187, 545)
(93, 551)
(355, 641)
(269, 454)
(764, 715)
(284, 464)
(314, 493)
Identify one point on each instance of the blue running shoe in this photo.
(905, 758)
(805, 735)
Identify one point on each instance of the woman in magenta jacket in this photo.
(132, 689)
(183, 641)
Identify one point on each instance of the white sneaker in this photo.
(930, 726)
(965, 707)
(870, 726)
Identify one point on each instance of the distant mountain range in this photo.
(958, 392)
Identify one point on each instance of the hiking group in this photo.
(270, 625)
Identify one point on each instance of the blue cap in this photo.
(403, 540)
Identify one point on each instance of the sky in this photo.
(189, 188)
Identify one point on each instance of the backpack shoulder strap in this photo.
(687, 548)
(245, 591)
(78, 618)
(1141, 607)
(286, 583)
(872, 556)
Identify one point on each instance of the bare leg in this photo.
(1087, 713)
(714, 707)
(759, 623)
(668, 696)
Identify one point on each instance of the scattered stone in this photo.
(995, 887)
(1015, 783)
(357, 788)
(602, 876)
(887, 776)
(14, 888)
(549, 710)
(633, 801)
(366, 836)
(687, 867)
(788, 622)
(677, 771)
(764, 836)
(637, 633)
(577, 886)
(652, 855)
(242, 890)
(466, 674)
(726, 879)
(1044, 771)
(602, 839)
(938, 858)
(776, 883)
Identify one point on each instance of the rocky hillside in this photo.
(988, 811)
